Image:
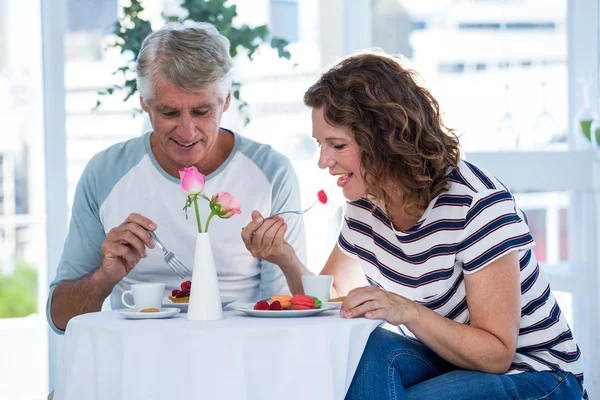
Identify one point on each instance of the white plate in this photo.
(163, 313)
(249, 309)
(225, 300)
(334, 304)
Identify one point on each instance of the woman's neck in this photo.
(403, 222)
(398, 216)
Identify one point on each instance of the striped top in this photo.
(467, 227)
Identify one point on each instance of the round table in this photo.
(240, 357)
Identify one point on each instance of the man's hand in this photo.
(124, 246)
(265, 239)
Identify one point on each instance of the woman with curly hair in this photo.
(445, 251)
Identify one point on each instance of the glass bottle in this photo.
(583, 119)
(594, 135)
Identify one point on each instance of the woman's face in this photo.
(340, 154)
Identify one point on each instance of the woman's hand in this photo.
(376, 303)
(265, 239)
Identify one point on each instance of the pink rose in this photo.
(192, 181)
(225, 205)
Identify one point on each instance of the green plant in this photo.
(18, 293)
(131, 30)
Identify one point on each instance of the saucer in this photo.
(165, 312)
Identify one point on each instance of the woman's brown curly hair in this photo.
(396, 123)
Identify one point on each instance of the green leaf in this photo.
(280, 45)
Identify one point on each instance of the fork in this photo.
(171, 259)
(297, 212)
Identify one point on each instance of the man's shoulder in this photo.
(271, 162)
(260, 152)
(108, 167)
(118, 158)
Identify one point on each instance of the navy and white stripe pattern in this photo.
(467, 227)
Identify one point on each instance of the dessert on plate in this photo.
(302, 302)
(285, 302)
(183, 295)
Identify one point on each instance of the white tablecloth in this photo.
(106, 357)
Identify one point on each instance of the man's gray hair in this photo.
(191, 55)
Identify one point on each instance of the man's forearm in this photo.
(80, 296)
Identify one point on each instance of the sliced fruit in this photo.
(276, 306)
(262, 305)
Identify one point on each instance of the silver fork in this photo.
(171, 259)
(298, 212)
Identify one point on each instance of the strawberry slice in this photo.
(187, 285)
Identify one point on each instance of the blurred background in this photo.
(517, 79)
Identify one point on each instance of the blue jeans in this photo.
(397, 368)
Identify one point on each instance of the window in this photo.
(91, 15)
(88, 21)
(284, 19)
(89, 67)
(508, 25)
(23, 328)
(451, 68)
(482, 25)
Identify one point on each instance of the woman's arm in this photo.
(347, 272)
(488, 344)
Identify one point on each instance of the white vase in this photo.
(205, 298)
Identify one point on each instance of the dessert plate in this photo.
(163, 313)
(249, 309)
(334, 304)
(225, 301)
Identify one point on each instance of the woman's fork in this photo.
(171, 259)
(321, 198)
(298, 212)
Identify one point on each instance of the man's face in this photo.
(185, 124)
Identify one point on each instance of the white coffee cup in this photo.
(145, 295)
(318, 286)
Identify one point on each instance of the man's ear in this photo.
(227, 102)
(143, 104)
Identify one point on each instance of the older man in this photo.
(184, 79)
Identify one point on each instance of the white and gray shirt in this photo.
(126, 178)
